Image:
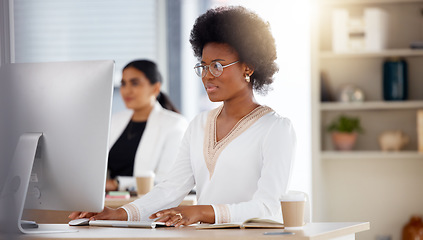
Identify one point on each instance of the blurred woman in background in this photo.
(146, 137)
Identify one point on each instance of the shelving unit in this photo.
(341, 180)
(371, 155)
(361, 2)
(386, 53)
(370, 105)
(364, 70)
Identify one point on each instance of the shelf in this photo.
(371, 155)
(357, 2)
(377, 105)
(338, 64)
(377, 54)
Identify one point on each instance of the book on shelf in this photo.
(249, 223)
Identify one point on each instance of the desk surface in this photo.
(310, 231)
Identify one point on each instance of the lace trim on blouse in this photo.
(132, 211)
(223, 215)
(213, 148)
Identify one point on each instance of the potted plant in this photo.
(344, 131)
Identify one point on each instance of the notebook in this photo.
(128, 224)
(249, 223)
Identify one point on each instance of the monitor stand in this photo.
(13, 195)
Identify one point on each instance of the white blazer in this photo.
(158, 146)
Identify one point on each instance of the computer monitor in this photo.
(58, 114)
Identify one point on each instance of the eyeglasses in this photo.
(215, 68)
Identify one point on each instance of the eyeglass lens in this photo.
(215, 69)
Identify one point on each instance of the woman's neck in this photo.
(238, 109)
(141, 114)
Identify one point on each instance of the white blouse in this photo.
(242, 176)
(158, 146)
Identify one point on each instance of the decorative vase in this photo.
(395, 85)
(344, 141)
(413, 230)
(393, 140)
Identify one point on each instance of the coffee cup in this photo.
(145, 182)
(293, 205)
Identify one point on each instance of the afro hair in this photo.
(245, 32)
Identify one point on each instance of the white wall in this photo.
(190, 82)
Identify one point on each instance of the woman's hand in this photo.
(111, 185)
(106, 214)
(185, 215)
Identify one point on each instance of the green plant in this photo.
(345, 124)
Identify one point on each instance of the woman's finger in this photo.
(171, 221)
(157, 214)
(174, 219)
(96, 217)
(74, 215)
(163, 219)
(163, 213)
(182, 222)
(103, 215)
(83, 215)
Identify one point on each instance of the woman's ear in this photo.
(248, 70)
(156, 88)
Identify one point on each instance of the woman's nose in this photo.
(124, 90)
(208, 74)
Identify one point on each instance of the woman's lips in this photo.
(210, 88)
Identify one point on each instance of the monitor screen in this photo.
(69, 105)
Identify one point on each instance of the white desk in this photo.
(310, 231)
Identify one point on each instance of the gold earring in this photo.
(247, 78)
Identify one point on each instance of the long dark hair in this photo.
(153, 75)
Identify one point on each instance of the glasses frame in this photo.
(207, 68)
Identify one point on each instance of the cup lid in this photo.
(293, 197)
(146, 174)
